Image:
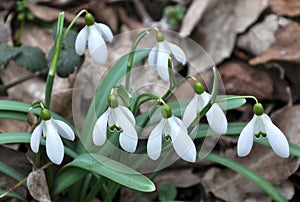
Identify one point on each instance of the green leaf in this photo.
(9, 171)
(66, 178)
(167, 192)
(68, 59)
(113, 170)
(31, 58)
(13, 115)
(14, 137)
(13, 195)
(257, 179)
(7, 52)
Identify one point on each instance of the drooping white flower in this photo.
(171, 126)
(159, 54)
(122, 117)
(262, 125)
(215, 116)
(51, 129)
(93, 35)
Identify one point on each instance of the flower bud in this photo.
(113, 101)
(258, 109)
(45, 114)
(166, 111)
(89, 19)
(160, 37)
(198, 87)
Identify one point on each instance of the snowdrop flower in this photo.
(94, 34)
(50, 129)
(171, 127)
(120, 116)
(215, 116)
(159, 54)
(261, 125)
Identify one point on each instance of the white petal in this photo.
(276, 138)
(111, 117)
(162, 65)
(128, 114)
(245, 141)
(54, 145)
(106, 32)
(97, 46)
(177, 52)
(154, 143)
(182, 143)
(259, 125)
(152, 58)
(100, 128)
(217, 119)
(128, 138)
(63, 129)
(36, 138)
(81, 40)
(190, 112)
(203, 100)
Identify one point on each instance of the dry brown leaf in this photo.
(261, 35)
(37, 36)
(192, 16)
(286, 47)
(28, 91)
(182, 178)
(49, 14)
(288, 120)
(218, 28)
(261, 83)
(37, 186)
(285, 8)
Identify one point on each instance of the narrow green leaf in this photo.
(66, 178)
(14, 195)
(14, 137)
(113, 170)
(13, 115)
(31, 58)
(11, 172)
(257, 179)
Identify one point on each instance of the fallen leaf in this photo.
(28, 91)
(37, 36)
(49, 14)
(261, 35)
(286, 47)
(216, 33)
(192, 16)
(181, 178)
(289, 8)
(262, 83)
(37, 186)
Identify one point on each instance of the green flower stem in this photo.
(142, 99)
(20, 32)
(171, 74)
(131, 54)
(73, 21)
(239, 97)
(54, 61)
(215, 86)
